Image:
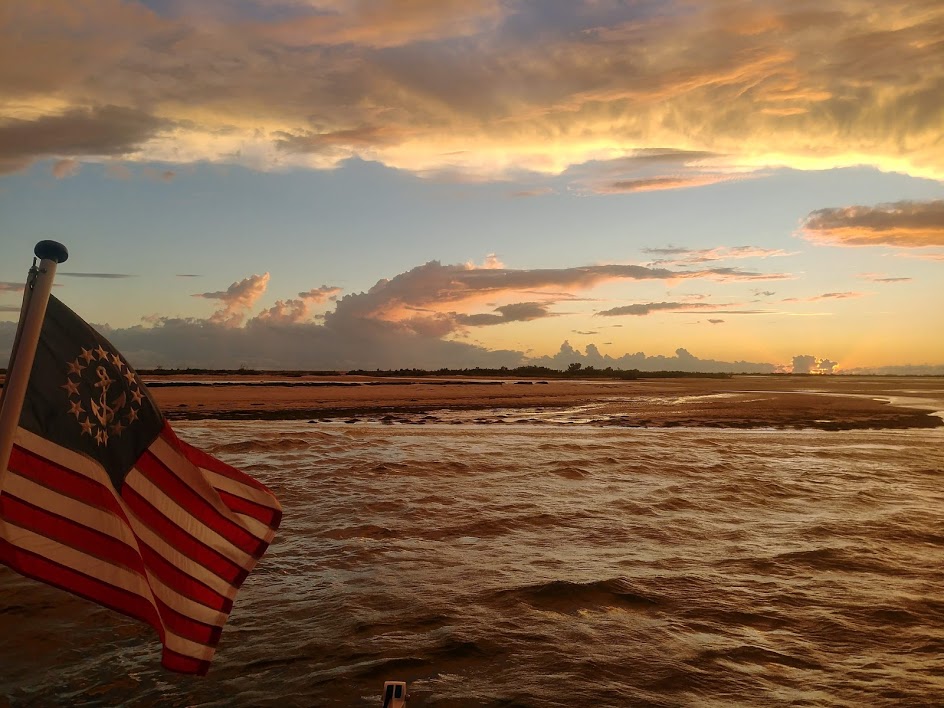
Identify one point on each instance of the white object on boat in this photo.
(394, 694)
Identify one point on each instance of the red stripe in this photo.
(103, 547)
(202, 459)
(30, 465)
(183, 584)
(184, 664)
(71, 533)
(187, 627)
(198, 507)
(268, 516)
(189, 545)
(48, 571)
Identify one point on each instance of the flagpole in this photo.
(35, 298)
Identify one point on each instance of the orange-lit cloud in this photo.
(478, 87)
(657, 184)
(647, 308)
(238, 299)
(322, 294)
(909, 224)
(431, 294)
(679, 256)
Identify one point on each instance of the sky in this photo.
(713, 185)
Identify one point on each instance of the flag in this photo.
(103, 500)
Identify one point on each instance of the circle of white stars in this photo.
(89, 425)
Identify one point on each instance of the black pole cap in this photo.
(51, 250)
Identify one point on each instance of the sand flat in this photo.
(824, 402)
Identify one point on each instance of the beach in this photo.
(821, 402)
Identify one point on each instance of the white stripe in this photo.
(93, 517)
(190, 475)
(186, 521)
(196, 478)
(259, 530)
(236, 488)
(107, 523)
(177, 559)
(109, 573)
(86, 467)
(74, 461)
(185, 606)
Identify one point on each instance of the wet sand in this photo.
(822, 402)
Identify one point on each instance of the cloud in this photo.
(536, 192)
(684, 256)
(902, 224)
(826, 296)
(285, 312)
(808, 364)
(237, 299)
(683, 360)
(517, 312)
(648, 308)
(86, 132)
(693, 92)
(882, 278)
(6, 287)
(657, 184)
(899, 370)
(923, 256)
(442, 289)
(63, 169)
(322, 294)
(411, 319)
(104, 276)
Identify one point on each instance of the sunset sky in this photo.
(671, 184)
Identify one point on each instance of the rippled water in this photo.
(546, 565)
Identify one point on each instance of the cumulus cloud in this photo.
(683, 360)
(237, 299)
(808, 364)
(411, 319)
(903, 224)
(700, 91)
(423, 296)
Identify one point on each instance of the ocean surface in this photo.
(560, 564)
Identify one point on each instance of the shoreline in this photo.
(831, 403)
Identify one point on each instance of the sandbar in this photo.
(821, 402)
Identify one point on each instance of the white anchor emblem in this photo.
(101, 417)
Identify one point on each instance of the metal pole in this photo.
(50, 254)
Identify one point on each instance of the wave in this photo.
(567, 597)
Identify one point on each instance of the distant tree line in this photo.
(573, 371)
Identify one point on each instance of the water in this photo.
(545, 565)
